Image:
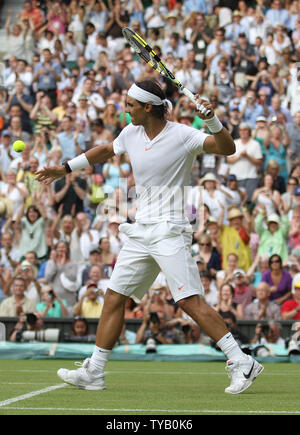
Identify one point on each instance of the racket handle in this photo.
(191, 97)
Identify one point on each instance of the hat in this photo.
(245, 125)
(6, 133)
(26, 264)
(83, 97)
(110, 102)
(261, 118)
(92, 284)
(297, 190)
(296, 282)
(273, 218)
(157, 286)
(46, 288)
(236, 14)
(208, 177)
(238, 272)
(234, 213)
(172, 15)
(211, 220)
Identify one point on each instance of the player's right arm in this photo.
(99, 154)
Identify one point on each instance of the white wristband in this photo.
(79, 162)
(214, 124)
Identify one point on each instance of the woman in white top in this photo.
(267, 196)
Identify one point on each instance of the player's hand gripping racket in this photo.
(149, 56)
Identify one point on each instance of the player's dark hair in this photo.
(152, 86)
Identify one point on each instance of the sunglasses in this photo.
(275, 261)
(205, 244)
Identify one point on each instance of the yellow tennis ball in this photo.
(19, 146)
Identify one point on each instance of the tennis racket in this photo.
(151, 58)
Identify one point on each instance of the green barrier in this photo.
(133, 352)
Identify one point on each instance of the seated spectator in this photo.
(279, 280)
(132, 309)
(290, 309)
(262, 308)
(51, 305)
(95, 276)
(89, 305)
(235, 239)
(46, 75)
(274, 235)
(70, 193)
(288, 198)
(277, 149)
(267, 196)
(94, 260)
(17, 303)
(9, 255)
(80, 331)
(62, 227)
(61, 273)
(70, 139)
(269, 333)
(210, 291)
(209, 254)
(107, 258)
(225, 303)
(154, 326)
(225, 276)
(244, 292)
(294, 232)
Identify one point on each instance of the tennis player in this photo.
(161, 154)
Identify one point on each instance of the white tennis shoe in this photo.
(83, 377)
(242, 374)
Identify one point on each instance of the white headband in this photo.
(147, 97)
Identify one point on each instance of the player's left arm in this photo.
(221, 141)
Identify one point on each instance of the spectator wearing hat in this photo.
(290, 309)
(89, 305)
(274, 235)
(279, 280)
(246, 161)
(235, 239)
(233, 29)
(262, 308)
(209, 194)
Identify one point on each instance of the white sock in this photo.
(99, 359)
(230, 347)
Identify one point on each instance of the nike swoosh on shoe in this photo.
(247, 376)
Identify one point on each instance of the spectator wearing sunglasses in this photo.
(279, 280)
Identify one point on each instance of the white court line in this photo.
(32, 394)
(164, 411)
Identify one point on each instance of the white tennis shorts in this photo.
(151, 248)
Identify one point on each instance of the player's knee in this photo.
(114, 300)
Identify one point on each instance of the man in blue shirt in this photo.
(195, 5)
(277, 15)
(72, 142)
(47, 74)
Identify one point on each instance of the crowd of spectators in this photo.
(67, 71)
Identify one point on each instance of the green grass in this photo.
(150, 388)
